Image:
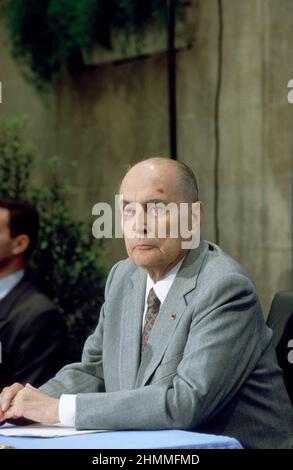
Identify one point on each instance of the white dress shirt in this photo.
(67, 403)
(7, 283)
(161, 287)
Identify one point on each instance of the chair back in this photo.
(280, 312)
(280, 320)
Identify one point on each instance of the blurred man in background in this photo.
(32, 332)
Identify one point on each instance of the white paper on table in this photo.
(39, 430)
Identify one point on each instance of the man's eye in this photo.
(129, 210)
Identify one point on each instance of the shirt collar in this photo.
(162, 286)
(7, 283)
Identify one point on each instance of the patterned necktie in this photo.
(153, 306)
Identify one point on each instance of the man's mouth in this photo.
(144, 246)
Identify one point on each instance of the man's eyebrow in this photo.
(150, 201)
(124, 201)
(163, 201)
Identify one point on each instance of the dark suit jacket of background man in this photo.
(32, 335)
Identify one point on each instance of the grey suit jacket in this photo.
(211, 367)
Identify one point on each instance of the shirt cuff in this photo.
(67, 407)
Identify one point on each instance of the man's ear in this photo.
(20, 244)
(202, 208)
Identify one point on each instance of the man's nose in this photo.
(140, 222)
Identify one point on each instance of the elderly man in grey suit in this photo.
(181, 341)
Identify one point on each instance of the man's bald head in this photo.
(183, 175)
(158, 193)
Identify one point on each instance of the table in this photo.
(165, 439)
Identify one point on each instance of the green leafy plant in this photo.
(16, 158)
(68, 263)
(49, 34)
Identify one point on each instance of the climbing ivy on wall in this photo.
(48, 35)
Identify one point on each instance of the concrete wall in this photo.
(117, 114)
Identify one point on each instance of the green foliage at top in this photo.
(49, 34)
(68, 264)
(16, 158)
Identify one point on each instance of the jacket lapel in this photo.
(170, 313)
(131, 328)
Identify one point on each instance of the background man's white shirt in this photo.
(7, 283)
